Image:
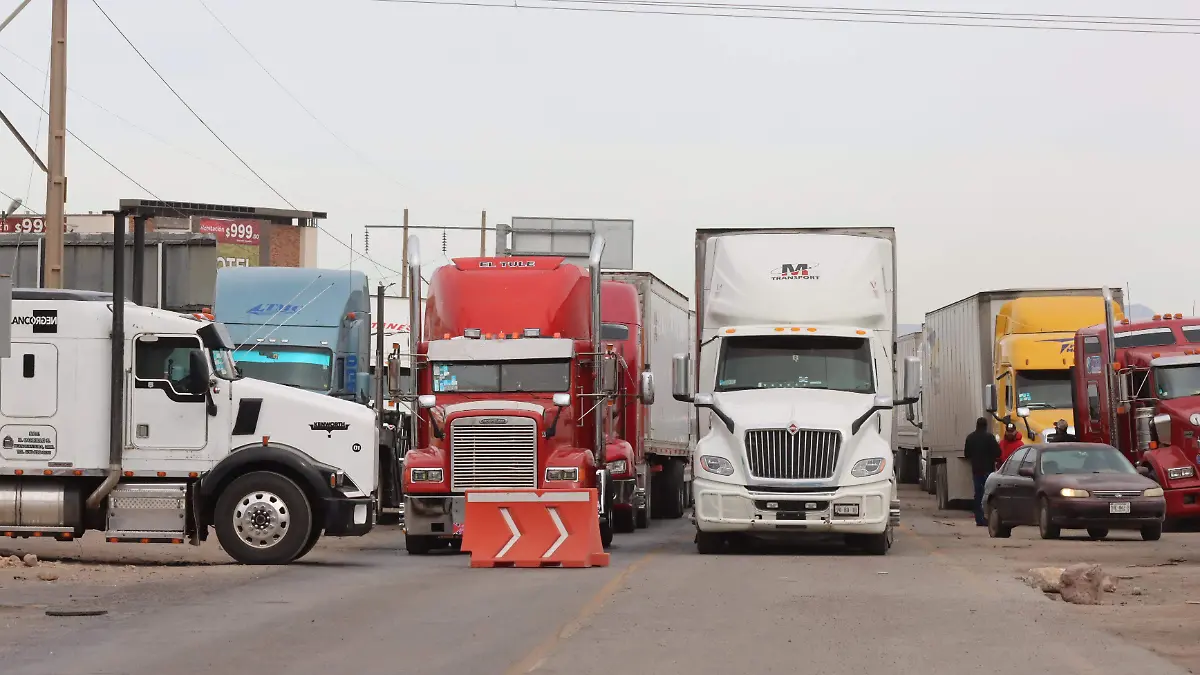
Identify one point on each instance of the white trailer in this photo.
(190, 444)
(666, 330)
(909, 449)
(794, 372)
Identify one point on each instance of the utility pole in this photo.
(56, 179)
(404, 263)
(483, 235)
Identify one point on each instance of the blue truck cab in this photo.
(301, 327)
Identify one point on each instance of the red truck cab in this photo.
(1150, 406)
(620, 318)
(507, 391)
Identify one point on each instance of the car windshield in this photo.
(308, 368)
(1044, 389)
(1084, 460)
(1177, 381)
(505, 376)
(796, 362)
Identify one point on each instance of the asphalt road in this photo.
(365, 607)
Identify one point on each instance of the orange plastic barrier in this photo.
(533, 528)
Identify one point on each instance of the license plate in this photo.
(789, 515)
(1118, 507)
(845, 509)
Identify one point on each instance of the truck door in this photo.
(165, 413)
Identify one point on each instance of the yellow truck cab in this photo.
(1033, 353)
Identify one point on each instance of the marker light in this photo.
(473, 333)
(532, 332)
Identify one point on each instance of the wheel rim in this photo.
(261, 519)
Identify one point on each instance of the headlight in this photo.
(1180, 472)
(1153, 492)
(717, 465)
(568, 474)
(425, 475)
(1072, 492)
(868, 467)
(618, 467)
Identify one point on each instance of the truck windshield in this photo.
(301, 367)
(1044, 389)
(506, 376)
(1177, 381)
(796, 362)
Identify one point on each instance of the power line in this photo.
(290, 95)
(218, 136)
(189, 108)
(95, 152)
(131, 124)
(630, 9)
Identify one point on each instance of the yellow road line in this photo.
(535, 658)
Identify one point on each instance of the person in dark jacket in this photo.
(981, 450)
(1061, 433)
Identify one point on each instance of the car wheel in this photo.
(1097, 532)
(1152, 532)
(1046, 526)
(996, 528)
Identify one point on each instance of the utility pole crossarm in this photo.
(24, 144)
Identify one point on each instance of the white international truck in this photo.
(795, 362)
(189, 444)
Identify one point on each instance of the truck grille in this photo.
(806, 454)
(493, 452)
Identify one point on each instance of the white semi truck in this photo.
(795, 361)
(190, 444)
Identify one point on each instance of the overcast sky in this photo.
(1002, 157)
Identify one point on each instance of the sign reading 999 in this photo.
(238, 241)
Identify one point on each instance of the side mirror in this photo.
(912, 379)
(1023, 413)
(608, 375)
(703, 400)
(646, 384)
(681, 378)
(197, 372)
(710, 402)
(1025, 471)
(561, 400)
(363, 382)
(1162, 428)
(426, 401)
(394, 384)
(990, 402)
(881, 402)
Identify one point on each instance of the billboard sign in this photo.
(23, 225)
(572, 238)
(237, 241)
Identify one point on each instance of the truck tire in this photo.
(308, 545)
(942, 486)
(418, 544)
(708, 543)
(873, 544)
(606, 533)
(674, 492)
(624, 520)
(263, 518)
(642, 516)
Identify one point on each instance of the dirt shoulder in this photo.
(1156, 580)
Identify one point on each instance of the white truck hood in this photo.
(806, 408)
(332, 431)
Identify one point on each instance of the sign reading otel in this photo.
(237, 241)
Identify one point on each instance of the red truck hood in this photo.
(1184, 410)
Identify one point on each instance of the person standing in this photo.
(1009, 444)
(981, 450)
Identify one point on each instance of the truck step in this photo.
(135, 537)
(147, 513)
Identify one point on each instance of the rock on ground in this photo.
(1082, 584)
(30, 560)
(1046, 579)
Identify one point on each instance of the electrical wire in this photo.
(222, 141)
(84, 143)
(628, 8)
(361, 156)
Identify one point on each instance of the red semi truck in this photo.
(1136, 386)
(648, 322)
(514, 389)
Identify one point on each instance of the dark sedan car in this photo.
(1088, 486)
